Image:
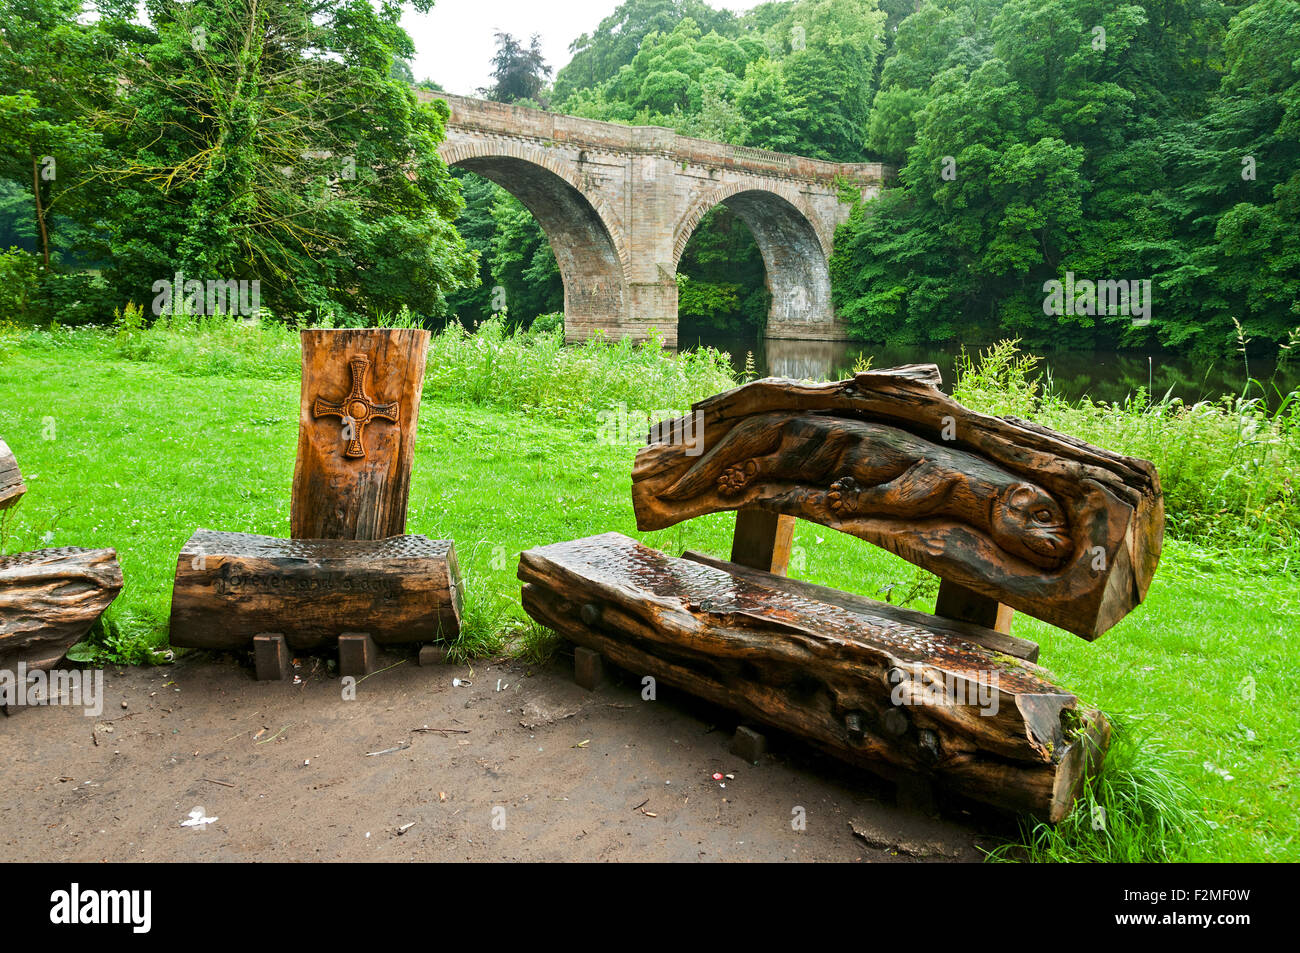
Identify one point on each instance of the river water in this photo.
(1101, 375)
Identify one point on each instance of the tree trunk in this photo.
(40, 213)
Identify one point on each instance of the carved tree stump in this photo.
(50, 598)
(885, 690)
(356, 432)
(231, 587)
(11, 479)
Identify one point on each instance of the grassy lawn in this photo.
(137, 455)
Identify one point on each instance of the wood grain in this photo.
(231, 587)
(1047, 524)
(871, 688)
(11, 479)
(987, 636)
(50, 598)
(359, 405)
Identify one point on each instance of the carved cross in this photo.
(356, 409)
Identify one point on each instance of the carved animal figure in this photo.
(873, 469)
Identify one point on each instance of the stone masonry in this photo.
(619, 203)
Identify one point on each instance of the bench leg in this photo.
(916, 793)
(270, 657)
(748, 744)
(433, 654)
(588, 667)
(357, 654)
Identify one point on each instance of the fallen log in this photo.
(230, 587)
(1047, 524)
(50, 598)
(11, 479)
(875, 688)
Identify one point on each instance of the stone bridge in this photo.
(619, 203)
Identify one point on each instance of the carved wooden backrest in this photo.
(1037, 520)
(356, 432)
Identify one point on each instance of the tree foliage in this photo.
(243, 140)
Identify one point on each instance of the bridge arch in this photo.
(585, 235)
(795, 248)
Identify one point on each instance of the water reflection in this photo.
(1101, 375)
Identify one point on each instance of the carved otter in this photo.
(873, 469)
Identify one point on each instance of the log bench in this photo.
(233, 587)
(49, 598)
(1008, 514)
(350, 576)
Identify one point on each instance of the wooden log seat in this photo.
(873, 684)
(231, 587)
(50, 598)
(1010, 516)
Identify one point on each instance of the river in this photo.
(1101, 375)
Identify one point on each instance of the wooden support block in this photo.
(50, 598)
(357, 654)
(356, 432)
(763, 540)
(748, 744)
(433, 654)
(957, 602)
(270, 657)
(11, 479)
(232, 586)
(588, 668)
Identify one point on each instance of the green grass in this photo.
(133, 441)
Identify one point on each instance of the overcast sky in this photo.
(454, 41)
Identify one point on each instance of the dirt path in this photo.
(600, 775)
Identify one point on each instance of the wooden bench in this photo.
(1010, 516)
(231, 587)
(350, 576)
(49, 598)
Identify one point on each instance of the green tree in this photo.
(519, 72)
(268, 141)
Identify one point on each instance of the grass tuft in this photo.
(1137, 809)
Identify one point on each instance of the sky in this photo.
(454, 41)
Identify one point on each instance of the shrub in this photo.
(18, 283)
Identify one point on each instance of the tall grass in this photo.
(1229, 468)
(534, 370)
(493, 366)
(1136, 809)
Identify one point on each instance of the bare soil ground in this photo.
(538, 769)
